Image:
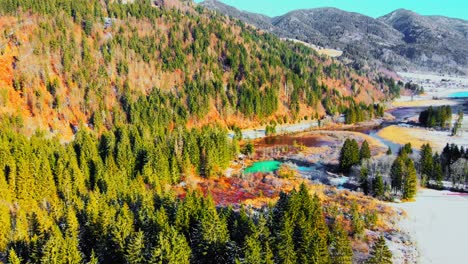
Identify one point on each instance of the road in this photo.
(281, 129)
(287, 128)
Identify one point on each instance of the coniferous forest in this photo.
(73, 62)
(120, 102)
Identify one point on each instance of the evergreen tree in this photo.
(93, 259)
(396, 174)
(268, 256)
(171, 247)
(13, 258)
(134, 251)
(426, 161)
(410, 185)
(380, 254)
(341, 252)
(5, 224)
(286, 250)
(356, 221)
(364, 152)
(379, 188)
(364, 179)
(211, 236)
(438, 174)
(253, 250)
(349, 155)
(389, 151)
(406, 150)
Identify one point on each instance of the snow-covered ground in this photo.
(435, 86)
(438, 221)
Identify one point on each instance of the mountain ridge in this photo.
(410, 43)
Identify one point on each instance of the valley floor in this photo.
(437, 220)
(418, 136)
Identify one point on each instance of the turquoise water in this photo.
(459, 94)
(263, 166)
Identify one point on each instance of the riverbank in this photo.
(420, 100)
(418, 136)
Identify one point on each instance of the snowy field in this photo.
(435, 86)
(438, 221)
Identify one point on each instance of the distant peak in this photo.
(402, 11)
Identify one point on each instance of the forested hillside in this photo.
(106, 106)
(66, 63)
(401, 40)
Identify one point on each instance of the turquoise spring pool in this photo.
(463, 94)
(263, 166)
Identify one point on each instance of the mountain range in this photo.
(401, 40)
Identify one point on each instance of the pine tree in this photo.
(438, 174)
(356, 221)
(379, 186)
(406, 150)
(364, 179)
(410, 185)
(318, 248)
(349, 155)
(380, 254)
(341, 252)
(426, 161)
(268, 256)
(389, 151)
(364, 152)
(396, 174)
(211, 236)
(134, 250)
(71, 251)
(171, 247)
(286, 251)
(13, 258)
(253, 250)
(93, 259)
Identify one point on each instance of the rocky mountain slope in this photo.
(431, 41)
(401, 40)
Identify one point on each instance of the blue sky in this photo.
(373, 8)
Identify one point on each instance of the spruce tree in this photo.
(406, 150)
(172, 247)
(356, 221)
(364, 152)
(286, 251)
(93, 259)
(426, 161)
(349, 155)
(379, 186)
(341, 252)
(13, 258)
(389, 151)
(380, 254)
(410, 185)
(438, 174)
(396, 174)
(253, 250)
(5, 225)
(134, 250)
(364, 179)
